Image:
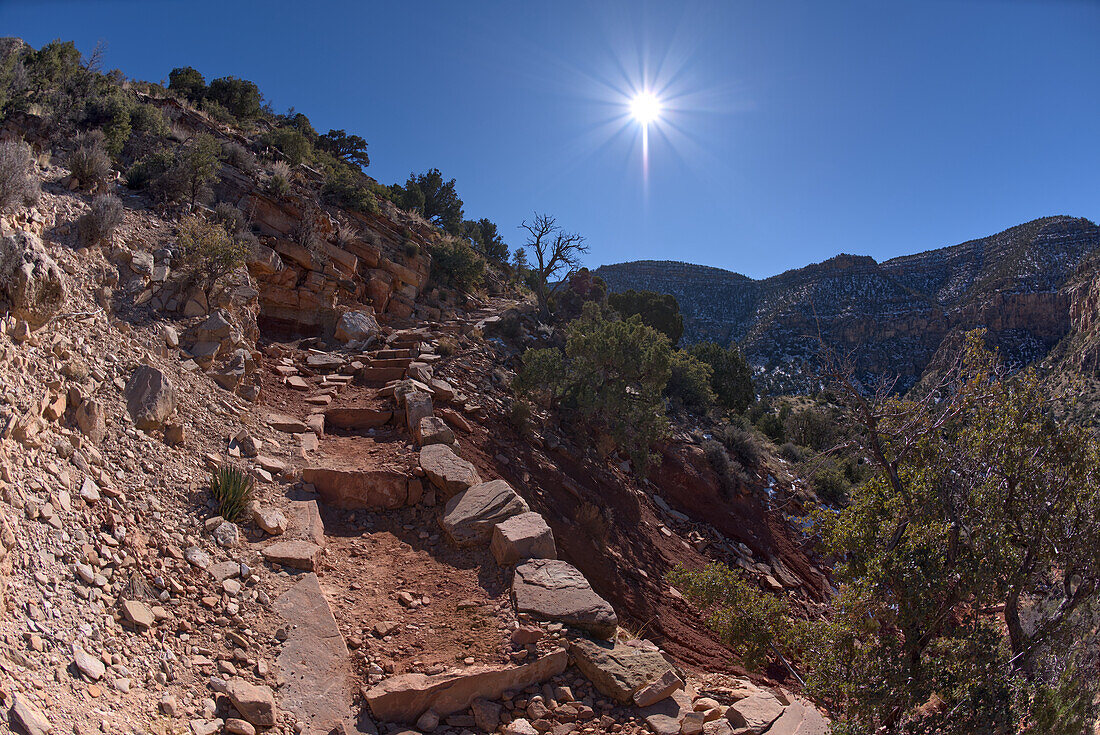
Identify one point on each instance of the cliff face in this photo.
(891, 316)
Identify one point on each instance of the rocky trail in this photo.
(409, 562)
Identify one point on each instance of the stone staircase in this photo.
(475, 514)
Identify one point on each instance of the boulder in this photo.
(150, 397)
(446, 470)
(26, 716)
(346, 485)
(755, 714)
(91, 419)
(32, 284)
(256, 703)
(523, 536)
(655, 691)
(551, 589)
(469, 517)
(356, 326)
(418, 405)
(620, 669)
(404, 698)
(434, 430)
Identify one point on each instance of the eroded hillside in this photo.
(891, 317)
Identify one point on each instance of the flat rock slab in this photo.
(405, 697)
(620, 669)
(294, 554)
(314, 660)
(305, 522)
(446, 470)
(356, 419)
(324, 363)
(523, 536)
(551, 589)
(353, 488)
(469, 517)
(284, 423)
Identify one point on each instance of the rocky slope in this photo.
(891, 316)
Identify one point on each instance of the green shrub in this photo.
(581, 287)
(456, 265)
(689, 383)
(291, 143)
(279, 181)
(18, 180)
(658, 310)
(746, 619)
(99, 222)
(743, 442)
(730, 472)
(830, 484)
(146, 118)
(344, 189)
(218, 112)
(148, 168)
(792, 453)
(229, 217)
(240, 157)
(811, 427)
(731, 376)
(187, 83)
(207, 253)
(240, 96)
(609, 380)
(771, 426)
(232, 488)
(89, 164)
(197, 165)
(110, 112)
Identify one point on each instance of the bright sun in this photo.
(645, 107)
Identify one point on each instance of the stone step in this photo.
(357, 419)
(552, 589)
(390, 362)
(381, 374)
(388, 354)
(406, 697)
(351, 487)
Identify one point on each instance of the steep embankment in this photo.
(891, 316)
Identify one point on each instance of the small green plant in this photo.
(279, 181)
(237, 155)
(232, 488)
(89, 163)
(99, 222)
(447, 346)
(410, 249)
(18, 182)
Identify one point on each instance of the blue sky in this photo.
(793, 130)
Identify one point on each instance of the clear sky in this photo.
(791, 131)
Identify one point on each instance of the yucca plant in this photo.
(232, 488)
